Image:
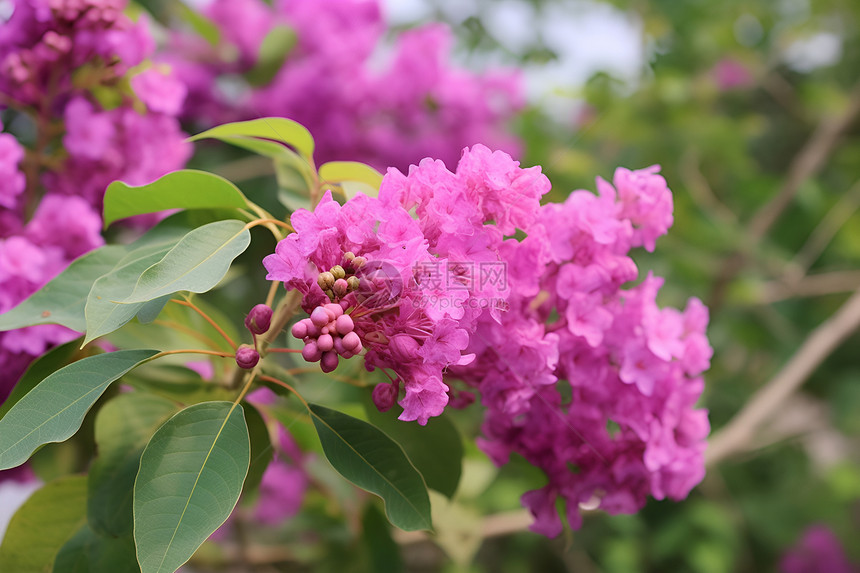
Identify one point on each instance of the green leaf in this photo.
(87, 552)
(261, 447)
(273, 128)
(383, 552)
(436, 449)
(123, 427)
(368, 458)
(103, 313)
(183, 189)
(42, 525)
(46, 364)
(206, 28)
(62, 300)
(190, 478)
(150, 310)
(275, 48)
(353, 177)
(55, 409)
(197, 263)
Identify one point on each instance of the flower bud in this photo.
(325, 280)
(259, 319)
(340, 287)
(311, 352)
(338, 272)
(329, 361)
(300, 329)
(335, 309)
(344, 324)
(352, 342)
(384, 395)
(325, 342)
(247, 357)
(358, 262)
(320, 316)
(348, 256)
(353, 283)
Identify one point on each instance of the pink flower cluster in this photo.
(415, 295)
(591, 382)
(62, 63)
(384, 111)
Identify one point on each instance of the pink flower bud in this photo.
(334, 308)
(384, 396)
(351, 342)
(344, 324)
(320, 316)
(259, 319)
(325, 342)
(300, 329)
(329, 361)
(311, 352)
(247, 357)
(340, 287)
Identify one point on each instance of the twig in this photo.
(811, 285)
(739, 432)
(804, 165)
(807, 162)
(495, 525)
(700, 190)
(823, 233)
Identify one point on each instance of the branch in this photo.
(811, 285)
(821, 236)
(808, 161)
(740, 431)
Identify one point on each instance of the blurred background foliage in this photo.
(751, 108)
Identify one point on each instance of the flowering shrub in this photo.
(452, 284)
(79, 70)
(414, 105)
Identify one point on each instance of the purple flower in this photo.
(161, 92)
(817, 551)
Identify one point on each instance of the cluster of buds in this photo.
(257, 322)
(326, 334)
(338, 281)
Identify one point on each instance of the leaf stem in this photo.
(206, 317)
(191, 351)
(287, 386)
(273, 290)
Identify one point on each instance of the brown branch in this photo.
(768, 400)
(808, 161)
(811, 285)
(823, 233)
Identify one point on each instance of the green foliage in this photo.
(191, 474)
(436, 450)
(267, 128)
(42, 525)
(274, 49)
(196, 263)
(123, 427)
(62, 300)
(183, 189)
(55, 408)
(367, 457)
